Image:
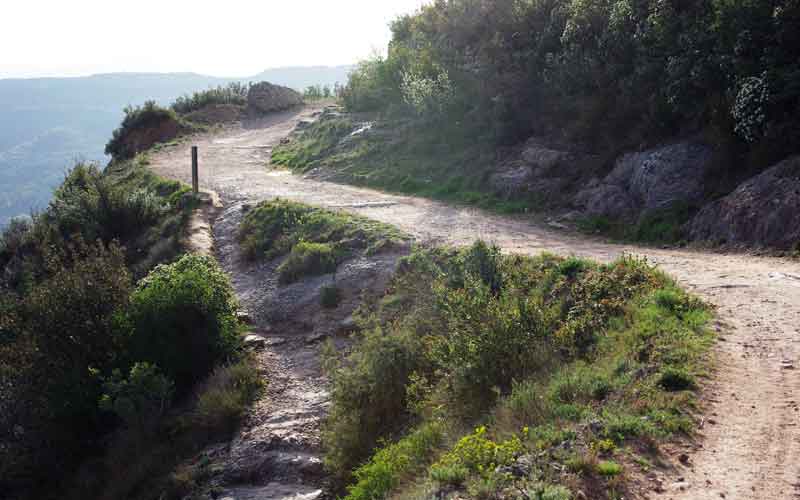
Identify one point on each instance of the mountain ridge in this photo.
(87, 109)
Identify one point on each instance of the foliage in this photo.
(316, 240)
(455, 340)
(57, 338)
(234, 93)
(141, 128)
(646, 69)
(318, 92)
(427, 95)
(479, 454)
(423, 158)
(140, 398)
(370, 395)
(225, 396)
(383, 472)
(307, 259)
(182, 317)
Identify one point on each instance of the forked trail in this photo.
(750, 445)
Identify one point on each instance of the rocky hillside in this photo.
(665, 194)
(630, 115)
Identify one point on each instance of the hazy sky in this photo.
(221, 38)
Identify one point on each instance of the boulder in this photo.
(544, 172)
(762, 211)
(649, 181)
(265, 98)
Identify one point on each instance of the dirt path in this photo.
(751, 434)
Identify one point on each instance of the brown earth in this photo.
(749, 446)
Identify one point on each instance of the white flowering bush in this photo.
(427, 95)
(749, 110)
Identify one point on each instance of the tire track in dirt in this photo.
(750, 445)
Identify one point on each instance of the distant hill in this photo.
(48, 123)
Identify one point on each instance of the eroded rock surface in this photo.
(277, 453)
(648, 181)
(763, 211)
(544, 172)
(265, 98)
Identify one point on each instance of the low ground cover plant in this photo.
(314, 240)
(521, 362)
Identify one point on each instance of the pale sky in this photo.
(233, 38)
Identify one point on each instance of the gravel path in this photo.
(750, 448)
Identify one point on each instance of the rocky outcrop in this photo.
(762, 211)
(648, 181)
(265, 98)
(544, 173)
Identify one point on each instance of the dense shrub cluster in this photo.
(610, 73)
(539, 347)
(234, 93)
(82, 346)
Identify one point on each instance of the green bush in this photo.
(308, 259)
(609, 469)
(563, 354)
(225, 396)
(369, 396)
(141, 128)
(88, 203)
(234, 93)
(729, 66)
(479, 454)
(57, 337)
(676, 379)
(549, 492)
(383, 472)
(182, 318)
(140, 398)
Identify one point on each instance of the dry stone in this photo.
(762, 211)
(265, 98)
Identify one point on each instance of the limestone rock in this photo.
(762, 211)
(651, 180)
(544, 172)
(265, 98)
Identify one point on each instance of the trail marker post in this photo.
(195, 177)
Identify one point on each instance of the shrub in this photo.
(548, 492)
(676, 379)
(479, 454)
(383, 472)
(55, 339)
(224, 398)
(369, 398)
(609, 469)
(277, 227)
(268, 229)
(140, 398)
(88, 203)
(141, 128)
(234, 93)
(449, 475)
(308, 259)
(182, 318)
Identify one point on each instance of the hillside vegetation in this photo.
(486, 376)
(630, 112)
(610, 73)
(104, 324)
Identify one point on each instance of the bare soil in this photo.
(749, 445)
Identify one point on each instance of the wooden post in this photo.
(195, 176)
